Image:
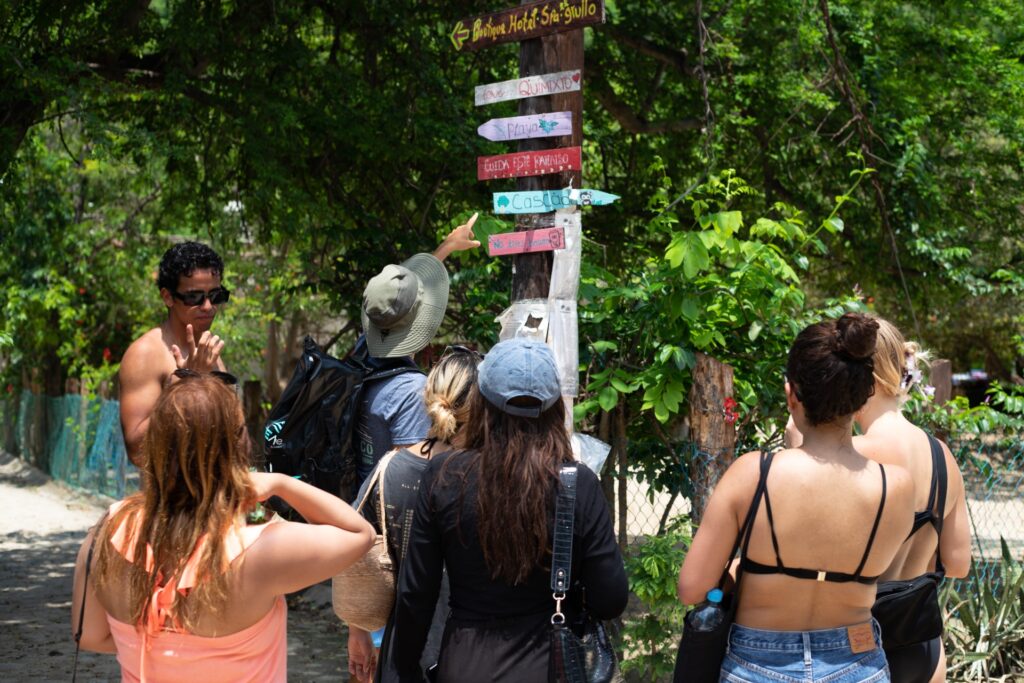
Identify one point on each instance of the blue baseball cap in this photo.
(518, 368)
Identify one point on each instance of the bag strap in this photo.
(85, 592)
(378, 481)
(746, 531)
(940, 475)
(561, 540)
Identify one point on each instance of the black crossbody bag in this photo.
(908, 611)
(573, 659)
(701, 654)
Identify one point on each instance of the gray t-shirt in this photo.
(392, 413)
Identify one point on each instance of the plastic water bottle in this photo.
(708, 615)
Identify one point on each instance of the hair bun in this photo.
(856, 336)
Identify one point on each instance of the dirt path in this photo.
(41, 529)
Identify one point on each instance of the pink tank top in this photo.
(163, 652)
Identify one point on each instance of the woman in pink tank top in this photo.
(178, 586)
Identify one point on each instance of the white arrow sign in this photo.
(531, 86)
(533, 126)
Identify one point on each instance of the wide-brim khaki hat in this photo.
(404, 305)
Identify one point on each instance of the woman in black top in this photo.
(830, 523)
(486, 513)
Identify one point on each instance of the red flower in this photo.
(10, 388)
(81, 290)
(729, 406)
(106, 355)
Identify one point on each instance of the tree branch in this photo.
(677, 58)
(632, 123)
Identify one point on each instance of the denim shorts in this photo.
(759, 656)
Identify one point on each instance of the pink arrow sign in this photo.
(522, 127)
(526, 241)
(522, 164)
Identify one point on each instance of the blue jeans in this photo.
(758, 656)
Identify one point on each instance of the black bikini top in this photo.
(932, 514)
(817, 575)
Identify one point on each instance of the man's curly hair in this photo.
(185, 259)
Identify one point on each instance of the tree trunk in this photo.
(711, 428)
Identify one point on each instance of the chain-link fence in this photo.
(993, 473)
(74, 438)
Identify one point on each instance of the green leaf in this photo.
(608, 398)
(695, 258)
(727, 222)
(755, 330)
(834, 224)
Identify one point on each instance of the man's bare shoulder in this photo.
(148, 356)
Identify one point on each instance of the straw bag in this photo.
(364, 594)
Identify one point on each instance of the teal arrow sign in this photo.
(549, 200)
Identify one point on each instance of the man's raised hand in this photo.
(459, 239)
(201, 357)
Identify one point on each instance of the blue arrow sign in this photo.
(549, 200)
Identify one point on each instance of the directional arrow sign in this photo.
(527, 21)
(522, 164)
(526, 241)
(534, 126)
(459, 35)
(548, 200)
(531, 86)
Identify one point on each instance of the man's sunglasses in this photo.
(220, 295)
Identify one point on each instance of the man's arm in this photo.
(141, 377)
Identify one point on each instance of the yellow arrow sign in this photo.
(459, 35)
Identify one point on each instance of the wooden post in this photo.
(531, 273)
(941, 377)
(252, 394)
(621, 449)
(711, 429)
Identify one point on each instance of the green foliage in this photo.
(650, 637)
(985, 638)
(727, 285)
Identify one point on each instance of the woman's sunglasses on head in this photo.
(217, 296)
(459, 348)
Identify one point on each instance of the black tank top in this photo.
(816, 574)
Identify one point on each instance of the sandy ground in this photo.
(40, 532)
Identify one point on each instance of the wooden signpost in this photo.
(523, 164)
(529, 86)
(526, 241)
(550, 125)
(540, 201)
(526, 21)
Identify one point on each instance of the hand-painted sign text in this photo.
(526, 21)
(554, 124)
(548, 200)
(522, 164)
(530, 86)
(526, 241)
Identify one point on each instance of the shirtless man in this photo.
(190, 286)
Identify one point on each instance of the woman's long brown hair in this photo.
(195, 483)
(517, 459)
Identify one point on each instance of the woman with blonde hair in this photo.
(940, 538)
(446, 397)
(174, 581)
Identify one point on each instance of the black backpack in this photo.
(310, 433)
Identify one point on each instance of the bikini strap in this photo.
(941, 477)
(771, 527)
(874, 528)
